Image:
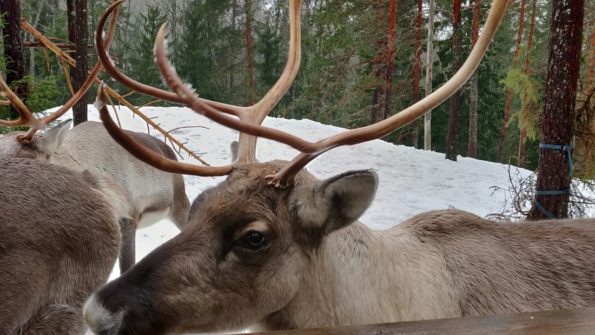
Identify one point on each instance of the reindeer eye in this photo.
(254, 240)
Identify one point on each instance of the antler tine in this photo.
(26, 118)
(189, 98)
(257, 112)
(147, 155)
(409, 114)
(27, 137)
(110, 68)
(263, 107)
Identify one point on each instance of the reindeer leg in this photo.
(181, 205)
(127, 249)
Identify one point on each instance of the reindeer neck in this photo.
(361, 276)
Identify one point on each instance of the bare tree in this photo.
(553, 171)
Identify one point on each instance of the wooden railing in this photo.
(562, 322)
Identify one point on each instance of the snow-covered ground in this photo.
(411, 181)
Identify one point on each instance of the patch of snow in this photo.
(412, 181)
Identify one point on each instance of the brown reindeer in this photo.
(151, 193)
(274, 244)
(59, 240)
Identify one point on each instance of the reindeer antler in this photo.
(26, 117)
(251, 117)
(248, 119)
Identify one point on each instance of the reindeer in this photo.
(274, 244)
(151, 194)
(59, 240)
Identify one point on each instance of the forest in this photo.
(362, 61)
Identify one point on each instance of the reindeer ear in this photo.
(51, 139)
(336, 202)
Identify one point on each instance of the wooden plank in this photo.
(567, 322)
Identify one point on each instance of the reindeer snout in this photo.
(99, 319)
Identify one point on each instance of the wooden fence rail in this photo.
(563, 322)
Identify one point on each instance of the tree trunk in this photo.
(429, 76)
(390, 58)
(508, 102)
(249, 52)
(525, 110)
(13, 49)
(32, 50)
(591, 68)
(473, 89)
(379, 63)
(455, 100)
(77, 34)
(414, 126)
(558, 116)
(234, 18)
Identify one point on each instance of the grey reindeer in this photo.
(274, 245)
(59, 241)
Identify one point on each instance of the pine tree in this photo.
(506, 117)
(77, 35)
(553, 173)
(455, 100)
(142, 66)
(527, 70)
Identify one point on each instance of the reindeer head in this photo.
(249, 239)
(240, 259)
(41, 146)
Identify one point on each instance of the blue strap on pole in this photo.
(560, 192)
(568, 150)
(543, 210)
(564, 148)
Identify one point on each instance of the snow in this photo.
(411, 181)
